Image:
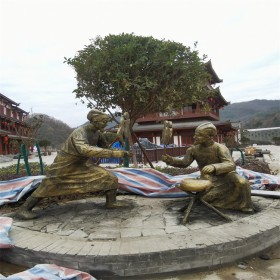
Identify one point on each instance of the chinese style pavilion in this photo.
(12, 125)
(188, 118)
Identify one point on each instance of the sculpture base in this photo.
(147, 239)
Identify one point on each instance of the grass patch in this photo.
(9, 172)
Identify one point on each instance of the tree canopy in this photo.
(45, 143)
(138, 74)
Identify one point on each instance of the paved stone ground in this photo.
(145, 238)
(90, 220)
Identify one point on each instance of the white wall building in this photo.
(263, 134)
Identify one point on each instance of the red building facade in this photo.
(188, 118)
(12, 125)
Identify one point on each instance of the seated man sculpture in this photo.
(73, 171)
(228, 189)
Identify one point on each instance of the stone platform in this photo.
(146, 238)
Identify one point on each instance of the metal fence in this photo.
(153, 155)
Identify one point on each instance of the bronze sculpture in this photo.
(73, 171)
(123, 132)
(228, 189)
(166, 134)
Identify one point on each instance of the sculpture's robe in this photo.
(229, 190)
(73, 170)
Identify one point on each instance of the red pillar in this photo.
(1, 146)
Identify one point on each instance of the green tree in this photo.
(230, 140)
(44, 143)
(110, 137)
(276, 140)
(245, 140)
(138, 74)
(244, 137)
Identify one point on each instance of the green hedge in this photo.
(9, 172)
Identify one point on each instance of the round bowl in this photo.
(195, 185)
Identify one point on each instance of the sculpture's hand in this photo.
(127, 153)
(168, 159)
(117, 153)
(120, 153)
(208, 169)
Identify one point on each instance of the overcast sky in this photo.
(241, 37)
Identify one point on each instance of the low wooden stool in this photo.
(195, 188)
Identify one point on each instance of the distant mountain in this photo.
(57, 131)
(53, 130)
(253, 114)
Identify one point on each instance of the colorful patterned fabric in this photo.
(50, 272)
(5, 226)
(259, 181)
(152, 183)
(14, 190)
(143, 181)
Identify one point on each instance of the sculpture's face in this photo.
(100, 122)
(200, 137)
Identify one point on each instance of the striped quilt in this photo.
(152, 183)
(50, 272)
(14, 190)
(5, 226)
(143, 181)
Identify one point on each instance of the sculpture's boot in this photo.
(111, 200)
(25, 212)
(248, 210)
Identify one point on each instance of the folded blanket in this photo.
(50, 272)
(5, 226)
(14, 190)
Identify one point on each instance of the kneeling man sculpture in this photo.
(73, 171)
(227, 189)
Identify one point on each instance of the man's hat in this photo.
(96, 113)
(208, 127)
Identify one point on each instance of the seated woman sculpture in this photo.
(229, 190)
(73, 171)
